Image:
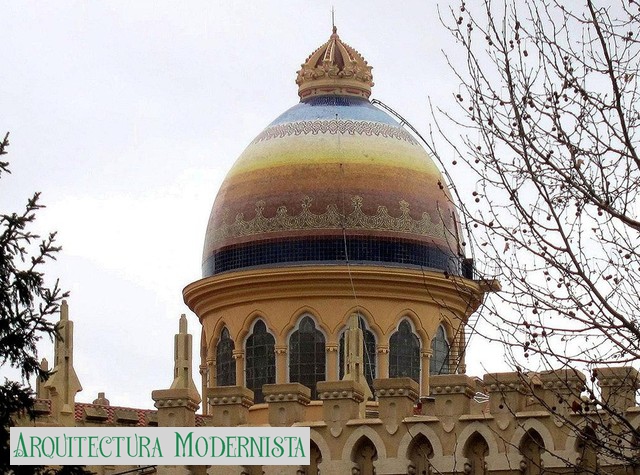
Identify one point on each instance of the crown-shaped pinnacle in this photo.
(335, 69)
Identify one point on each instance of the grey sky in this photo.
(127, 116)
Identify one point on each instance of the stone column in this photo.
(507, 393)
(177, 405)
(383, 361)
(619, 386)
(281, 363)
(396, 399)
(354, 357)
(204, 382)
(332, 361)
(212, 375)
(424, 372)
(342, 401)
(229, 405)
(238, 355)
(453, 356)
(462, 366)
(287, 403)
(565, 384)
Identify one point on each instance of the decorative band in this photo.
(331, 250)
(331, 219)
(338, 126)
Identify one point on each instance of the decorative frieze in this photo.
(288, 392)
(618, 386)
(230, 395)
(229, 405)
(332, 218)
(168, 398)
(286, 402)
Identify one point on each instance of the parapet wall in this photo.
(403, 433)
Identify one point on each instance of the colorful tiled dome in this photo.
(332, 178)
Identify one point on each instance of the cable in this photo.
(449, 181)
(450, 185)
(366, 356)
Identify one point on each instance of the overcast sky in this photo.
(127, 116)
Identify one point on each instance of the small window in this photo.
(404, 353)
(225, 364)
(440, 353)
(261, 360)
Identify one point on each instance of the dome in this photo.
(333, 178)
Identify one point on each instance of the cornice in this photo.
(298, 282)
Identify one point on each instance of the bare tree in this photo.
(550, 113)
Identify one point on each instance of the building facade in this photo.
(335, 295)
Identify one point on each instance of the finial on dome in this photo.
(334, 69)
(334, 28)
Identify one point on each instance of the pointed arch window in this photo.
(476, 452)
(260, 360)
(364, 455)
(586, 446)
(440, 353)
(307, 355)
(315, 458)
(225, 364)
(404, 353)
(369, 353)
(420, 455)
(532, 449)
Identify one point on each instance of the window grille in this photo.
(307, 356)
(225, 364)
(261, 360)
(404, 353)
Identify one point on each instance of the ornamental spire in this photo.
(335, 69)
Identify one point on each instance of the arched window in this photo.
(225, 364)
(307, 355)
(315, 458)
(440, 353)
(587, 463)
(261, 360)
(364, 456)
(420, 455)
(369, 353)
(251, 470)
(531, 448)
(404, 353)
(476, 451)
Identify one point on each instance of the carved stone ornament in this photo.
(335, 67)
